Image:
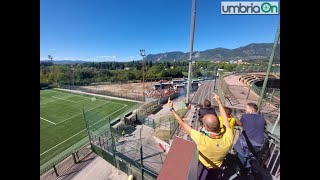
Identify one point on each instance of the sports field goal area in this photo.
(62, 122)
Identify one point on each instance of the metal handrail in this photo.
(273, 163)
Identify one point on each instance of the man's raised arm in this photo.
(184, 125)
(223, 113)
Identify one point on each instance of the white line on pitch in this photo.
(48, 120)
(63, 99)
(73, 94)
(80, 113)
(80, 131)
(47, 102)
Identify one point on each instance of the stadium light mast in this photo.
(50, 57)
(142, 53)
(275, 43)
(193, 21)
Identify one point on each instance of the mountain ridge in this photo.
(253, 51)
(248, 52)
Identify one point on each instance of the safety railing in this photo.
(59, 166)
(273, 162)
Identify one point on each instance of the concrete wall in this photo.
(164, 144)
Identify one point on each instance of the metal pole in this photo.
(112, 144)
(215, 79)
(100, 142)
(77, 155)
(193, 21)
(55, 170)
(276, 40)
(143, 75)
(272, 94)
(142, 53)
(141, 156)
(215, 82)
(74, 158)
(276, 123)
(248, 95)
(84, 116)
(113, 149)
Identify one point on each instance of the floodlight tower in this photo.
(193, 21)
(142, 53)
(50, 57)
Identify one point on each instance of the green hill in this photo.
(248, 52)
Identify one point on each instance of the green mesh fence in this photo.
(173, 123)
(277, 93)
(98, 121)
(98, 114)
(145, 109)
(268, 96)
(163, 121)
(104, 137)
(60, 157)
(149, 122)
(76, 136)
(105, 155)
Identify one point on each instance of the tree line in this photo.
(55, 74)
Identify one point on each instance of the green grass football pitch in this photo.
(62, 122)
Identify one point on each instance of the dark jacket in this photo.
(206, 110)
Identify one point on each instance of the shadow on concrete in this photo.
(130, 130)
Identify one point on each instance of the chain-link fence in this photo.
(118, 142)
(105, 133)
(123, 146)
(166, 122)
(58, 165)
(99, 119)
(132, 155)
(146, 109)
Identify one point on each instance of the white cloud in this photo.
(101, 57)
(52, 49)
(131, 57)
(106, 57)
(66, 58)
(84, 58)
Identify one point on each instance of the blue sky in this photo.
(115, 30)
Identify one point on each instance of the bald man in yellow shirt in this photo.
(212, 143)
